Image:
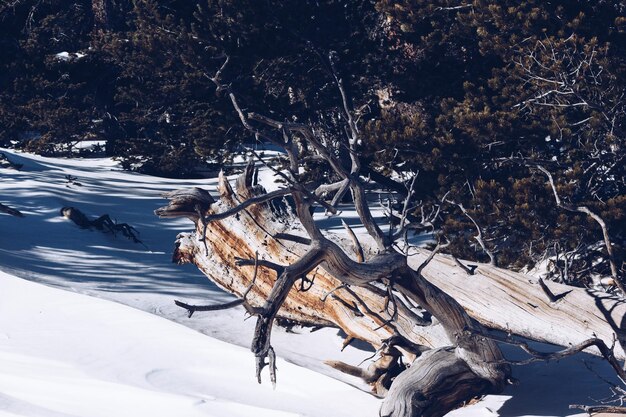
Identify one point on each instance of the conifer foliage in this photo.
(475, 96)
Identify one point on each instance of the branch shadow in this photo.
(548, 388)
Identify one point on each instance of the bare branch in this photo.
(605, 351)
(193, 308)
(305, 131)
(430, 257)
(469, 270)
(599, 409)
(479, 235)
(295, 185)
(249, 202)
(324, 189)
(292, 238)
(261, 346)
(407, 201)
(260, 262)
(345, 186)
(358, 249)
(323, 299)
(551, 296)
(598, 219)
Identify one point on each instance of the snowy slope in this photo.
(44, 247)
(65, 354)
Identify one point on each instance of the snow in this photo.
(66, 354)
(102, 335)
(69, 56)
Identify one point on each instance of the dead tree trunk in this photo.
(497, 298)
(494, 297)
(275, 257)
(318, 284)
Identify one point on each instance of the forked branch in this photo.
(479, 233)
(597, 219)
(605, 351)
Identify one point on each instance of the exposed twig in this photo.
(599, 409)
(241, 207)
(249, 202)
(293, 238)
(260, 262)
(469, 269)
(605, 351)
(405, 208)
(214, 307)
(479, 235)
(352, 307)
(430, 257)
(346, 342)
(594, 216)
(103, 223)
(358, 249)
(323, 299)
(324, 189)
(271, 362)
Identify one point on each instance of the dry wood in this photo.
(384, 297)
(506, 300)
(597, 219)
(497, 298)
(358, 307)
(104, 223)
(598, 409)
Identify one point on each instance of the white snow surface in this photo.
(88, 346)
(69, 56)
(67, 354)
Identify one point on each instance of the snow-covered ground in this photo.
(67, 354)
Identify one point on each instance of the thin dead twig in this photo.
(214, 307)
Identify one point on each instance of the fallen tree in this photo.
(270, 232)
(498, 298)
(420, 308)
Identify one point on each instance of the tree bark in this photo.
(431, 304)
(336, 290)
(497, 298)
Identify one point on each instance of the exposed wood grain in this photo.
(497, 298)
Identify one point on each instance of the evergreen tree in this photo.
(475, 96)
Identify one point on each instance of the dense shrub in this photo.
(472, 95)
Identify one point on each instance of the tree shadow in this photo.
(548, 388)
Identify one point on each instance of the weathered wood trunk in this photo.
(497, 298)
(359, 311)
(459, 365)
